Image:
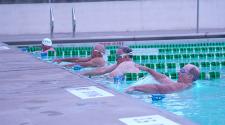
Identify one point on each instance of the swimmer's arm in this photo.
(100, 71)
(91, 63)
(83, 59)
(96, 62)
(76, 59)
(157, 76)
(147, 88)
(157, 88)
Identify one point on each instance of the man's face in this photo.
(95, 53)
(119, 56)
(184, 74)
(45, 47)
(98, 51)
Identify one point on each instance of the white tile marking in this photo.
(4, 48)
(148, 120)
(89, 92)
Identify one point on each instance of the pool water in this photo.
(203, 103)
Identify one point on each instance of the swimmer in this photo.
(186, 76)
(47, 45)
(95, 60)
(124, 64)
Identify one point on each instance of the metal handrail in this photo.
(51, 22)
(197, 21)
(73, 22)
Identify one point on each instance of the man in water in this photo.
(46, 45)
(124, 64)
(95, 60)
(186, 76)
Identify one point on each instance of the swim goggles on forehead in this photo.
(122, 55)
(98, 51)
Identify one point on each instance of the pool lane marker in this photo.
(141, 51)
(4, 48)
(89, 92)
(148, 120)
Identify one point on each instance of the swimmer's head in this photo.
(123, 54)
(47, 42)
(99, 50)
(189, 73)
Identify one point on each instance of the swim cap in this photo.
(100, 48)
(47, 42)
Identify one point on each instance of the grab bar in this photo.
(51, 22)
(197, 22)
(73, 21)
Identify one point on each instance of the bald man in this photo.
(95, 60)
(186, 76)
(123, 64)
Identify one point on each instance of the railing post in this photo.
(197, 23)
(51, 22)
(73, 22)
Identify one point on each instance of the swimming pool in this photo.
(203, 103)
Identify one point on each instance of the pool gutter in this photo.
(58, 40)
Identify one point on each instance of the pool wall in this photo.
(126, 16)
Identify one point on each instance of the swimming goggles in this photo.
(99, 51)
(123, 55)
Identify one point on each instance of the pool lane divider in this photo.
(180, 65)
(167, 47)
(177, 45)
(143, 58)
(85, 51)
(191, 50)
(173, 75)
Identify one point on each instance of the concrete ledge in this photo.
(131, 36)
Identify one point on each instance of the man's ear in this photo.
(192, 73)
(127, 57)
(192, 77)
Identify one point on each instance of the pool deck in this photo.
(113, 36)
(32, 92)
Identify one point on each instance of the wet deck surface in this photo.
(32, 92)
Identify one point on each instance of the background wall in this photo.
(144, 15)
